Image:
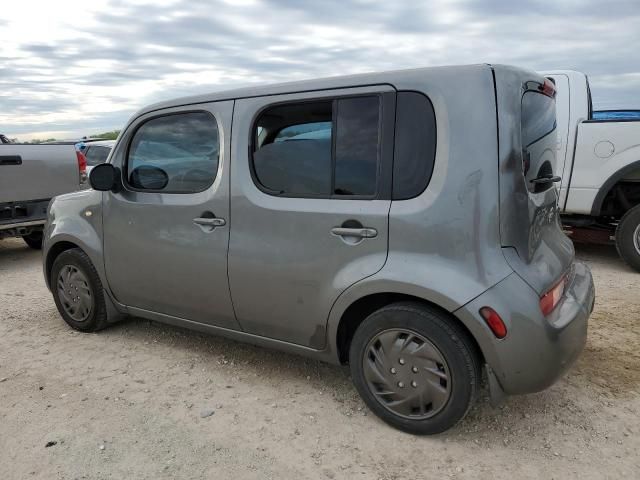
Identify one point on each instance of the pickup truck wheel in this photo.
(628, 237)
(34, 240)
(78, 292)
(414, 368)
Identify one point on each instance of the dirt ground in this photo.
(129, 403)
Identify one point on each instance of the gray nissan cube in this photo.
(403, 223)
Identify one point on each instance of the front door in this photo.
(166, 233)
(310, 205)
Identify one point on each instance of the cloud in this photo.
(82, 68)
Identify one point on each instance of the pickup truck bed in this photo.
(30, 175)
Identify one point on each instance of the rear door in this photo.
(310, 199)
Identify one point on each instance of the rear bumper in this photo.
(537, 349)
(23, 214)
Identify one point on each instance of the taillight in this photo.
(82, 166)
(494, 322)
(550, 300)
(548, 88)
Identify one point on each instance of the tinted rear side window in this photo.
(538, 128)
(415, 145)
(306, 131)
(358, 127)
(328, 148)
(293, 149)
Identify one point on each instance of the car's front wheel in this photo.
(78, 292)
(414, 367)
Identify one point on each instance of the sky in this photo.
(70, 68)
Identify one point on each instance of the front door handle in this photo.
(209, 222)
(355, 232)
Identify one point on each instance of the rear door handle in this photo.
(355, 232)
(10, 160)
(209, 222)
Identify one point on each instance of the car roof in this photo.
(343, 81)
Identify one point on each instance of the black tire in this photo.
(34, 240)
(461, 366)
(628, 238)
(75, 260)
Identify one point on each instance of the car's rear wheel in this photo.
(34, 240)
(628, 237)
(414, 367)
(78, 292)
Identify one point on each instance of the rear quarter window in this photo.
(415, 145)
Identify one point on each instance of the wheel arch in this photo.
(115, 311)
(52, 253)
(357, 311)
(56, 244)
(609, 184)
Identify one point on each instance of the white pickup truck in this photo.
(598, 161)
(30, 175)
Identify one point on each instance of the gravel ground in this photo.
(143, 400)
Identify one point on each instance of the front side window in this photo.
(538, 128)
(327, 148)
(176, 153)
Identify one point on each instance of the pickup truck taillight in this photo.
(82, 166)
(548, 88)
(550, 300)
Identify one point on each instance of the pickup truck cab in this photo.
(30, 175)
(598, 159)
(370, 220)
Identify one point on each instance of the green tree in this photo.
(112, 135)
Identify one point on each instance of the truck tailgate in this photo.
(37, 172)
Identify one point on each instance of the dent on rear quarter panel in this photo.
(447, 240)
(68, 222)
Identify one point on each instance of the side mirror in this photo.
(103, 177)
(148, 177)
